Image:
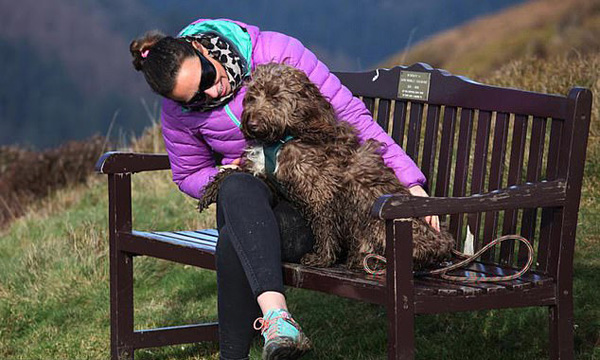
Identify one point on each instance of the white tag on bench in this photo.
(468, 248)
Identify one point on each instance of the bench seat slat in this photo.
(536, 278)
(207, 240)
(169, 237)
(212, 232)
(196, 242)
(485, 286)
(488, 288)
(196, 237)
(443, 287)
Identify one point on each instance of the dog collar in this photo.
(271, 151)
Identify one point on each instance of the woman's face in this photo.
(187, 81)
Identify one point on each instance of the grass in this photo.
(54, 280)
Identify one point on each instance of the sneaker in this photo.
(284, 338)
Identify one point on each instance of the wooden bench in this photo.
(498, 160)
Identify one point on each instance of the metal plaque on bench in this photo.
(414, 85)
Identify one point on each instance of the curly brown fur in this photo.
(328, 174)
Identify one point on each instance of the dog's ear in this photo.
(317, 127)
(319, 123)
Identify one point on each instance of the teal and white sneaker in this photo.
(284, 338)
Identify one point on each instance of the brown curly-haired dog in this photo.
(331, 177)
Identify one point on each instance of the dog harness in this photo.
(271, 151)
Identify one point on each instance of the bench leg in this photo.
(561, 329)
(121, 305)
(401, 333)
(400, 287)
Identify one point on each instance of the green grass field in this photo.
(54, 298)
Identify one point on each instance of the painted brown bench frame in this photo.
(538, 181)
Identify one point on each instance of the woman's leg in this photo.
(248, 260)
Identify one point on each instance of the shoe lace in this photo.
(271, 326)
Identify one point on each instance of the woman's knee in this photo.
(238, 186)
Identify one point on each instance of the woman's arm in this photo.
(192, 161)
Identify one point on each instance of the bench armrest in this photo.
(114, 162)
(528, 195)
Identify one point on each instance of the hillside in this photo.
(65, 69)
(540, 28)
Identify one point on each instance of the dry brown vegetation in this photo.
(554, 76)
(541, 28)
(28, 176)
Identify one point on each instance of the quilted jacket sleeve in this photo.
(192, 161)
(347, 107)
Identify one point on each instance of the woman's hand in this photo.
(235, 164)
(433, 220)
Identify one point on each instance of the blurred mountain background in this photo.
(65, 70)
(545, 30)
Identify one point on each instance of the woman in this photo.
(200, 74)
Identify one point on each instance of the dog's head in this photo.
(281, 100)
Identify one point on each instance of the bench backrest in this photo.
(471, 138)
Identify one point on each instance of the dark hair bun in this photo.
(143, 44)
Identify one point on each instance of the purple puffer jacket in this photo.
(191, 138)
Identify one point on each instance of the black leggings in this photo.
(256, 232)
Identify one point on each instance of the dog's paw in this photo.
(314, 259)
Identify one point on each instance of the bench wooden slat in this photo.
(414, 130)
(399, 122)
(447, 288)
(174, 335)
(536, 296)
(530, 277)
(534, 169)
(462, 168)
(114, 162)
(486, 287)
(208, 240)
(168, 238)
(548, 214)
(430, 142)
(494, 269)
(369, 103)
(442, 182)
(212, 232)
(515, 170)
(495, 179)
(383, 114)
(480, 156)
(542, 194)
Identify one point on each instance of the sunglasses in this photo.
(207, 79)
